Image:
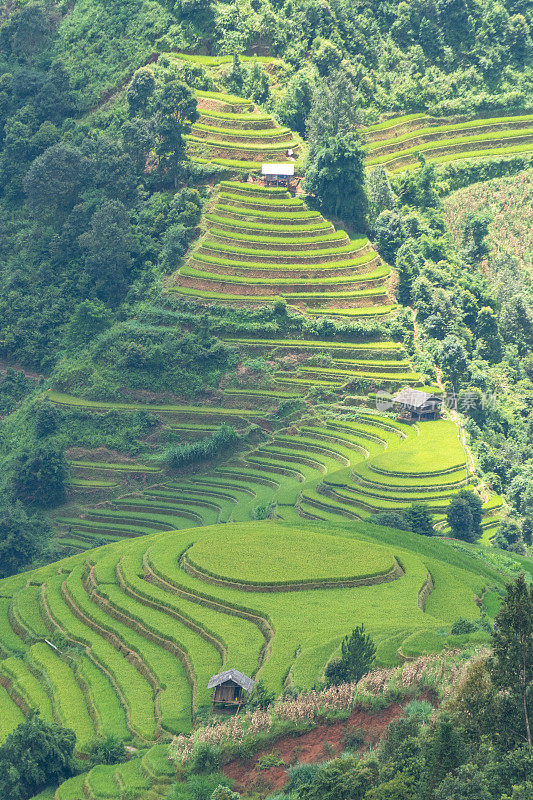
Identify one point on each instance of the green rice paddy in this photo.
(442, 141)
(181, 626)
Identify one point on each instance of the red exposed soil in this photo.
(319, 744)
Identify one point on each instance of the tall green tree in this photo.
(176, 111)
(464, 515)
(476, 228)
(22, 539)
(334, 110)
(56, 178)
(358, 652)
(37, 754)
(419, 519)
(336, 178)
(379, 192)
(511, 666)
(108, 246)
(39, 474)
(140, 91)
(445, 750)
(459, 518)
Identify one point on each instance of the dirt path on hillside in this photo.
(320, 744)
(5, 365)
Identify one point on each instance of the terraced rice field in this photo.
(148, 777)
(396, 142)
(328, 465)
(262, 244)
(144, 625)
(232, 132)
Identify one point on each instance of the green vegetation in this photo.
(180, 625)
(212, 474)
(288, 556)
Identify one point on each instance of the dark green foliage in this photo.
(14, 386)
(336, 178)
(140, 91)
(110, 750)
(388, 234)
(221, 441)
(245, 81)
(461, 626)
(137, 356)
(509, 533)
(55, 179)
(474, 235)
(468, 783)
(357, 656)
(89, 319)
(419, 519)
(464, 515)
(380, 195)
(301, 775)
(333, 112)
(37, 754)
(108, 245)
(458, 174)
(511, 667)
(205, 759)
(23, 538)
(419, 188)
(260, 697)
(445, 750)
(292, 109)
(341, 779)
(38, 475)
(453, 359)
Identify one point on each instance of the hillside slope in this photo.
(124, 640)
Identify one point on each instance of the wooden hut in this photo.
(414, 404)
(229, 686)
(277, 174)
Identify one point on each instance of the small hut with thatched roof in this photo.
(229, 686)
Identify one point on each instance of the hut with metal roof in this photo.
(277, 174)
(415, 404)
(229, 686)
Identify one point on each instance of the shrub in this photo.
(39, 475)
(352, 738)
(22, 539)
(419, 519)
(270, 760)
(266, 511)
(260, 697)
(391, 519)
(420, 709)
(206, 759)
(180, 455)
(224, 793)
(461, 626)
(301, 775)
(110, 750)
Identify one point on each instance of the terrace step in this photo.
(281, 243)
(235, 135)
(230, 251)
